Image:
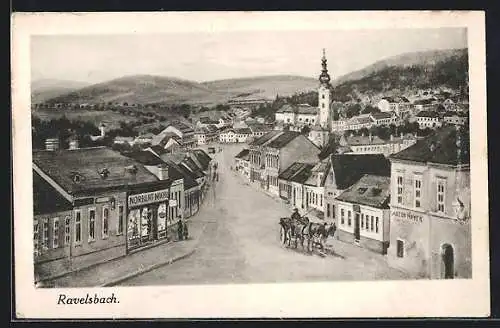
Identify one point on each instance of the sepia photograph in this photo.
(217, 157)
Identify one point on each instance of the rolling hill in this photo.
(263, 86)
(407, 73)
(146, 89)
(45, 89)
(402, 72)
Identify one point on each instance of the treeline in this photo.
(62, 129)
(451, 73)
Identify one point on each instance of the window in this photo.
(400, 248)
(440, 195)
(349, 222)
(400, 189)
(371, 223)
(333, 211)
(78, 227)
(342, 216)
(418, 191)
(322, 96)
(376, 224)
(120, 220)
(35, 238)
(67, 230)
(362, 221)
(55, 235)
(105, 222)
(45, 239)
(327, 210)
(91, 224)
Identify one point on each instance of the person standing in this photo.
(180, 233)
(185, 231)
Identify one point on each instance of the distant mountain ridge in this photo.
(401, 71)
(146, 89)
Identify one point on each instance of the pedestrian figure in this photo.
(217, 176)
(185, 231)
(179, 230)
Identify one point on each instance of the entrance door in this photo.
(356, 226)
(447, 253)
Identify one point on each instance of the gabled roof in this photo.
(79, 170)
(382, 115)
(349, 168)
(426, 113)
(302, 175)
(440, 147)
(364, 140)
(201, 153)
(46, 199)
(244, 154)
(184, 128)
(282, 140)
(191, 165)
(144, 157)
(243, 131)
(200, 160)
(370, 190)
(290, 171)
(179, 171)
(174, 157)
(265, 138)
(322, 168)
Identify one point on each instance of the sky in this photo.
(212, 56)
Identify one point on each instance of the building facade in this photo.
(362, 215)
(430, 207)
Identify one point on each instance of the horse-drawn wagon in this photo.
(305, 232)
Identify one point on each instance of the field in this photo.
(110, 118)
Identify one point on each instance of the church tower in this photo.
(324, 95)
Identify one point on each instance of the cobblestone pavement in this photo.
(241, 243)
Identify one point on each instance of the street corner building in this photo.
(364, 213)
(430, 206)
(275, 151)
(94, 204)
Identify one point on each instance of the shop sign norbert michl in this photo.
(148, 197)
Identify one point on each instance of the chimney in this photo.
(52, 144)
(163, 171)
(73, 144)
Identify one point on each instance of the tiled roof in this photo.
(320, 168)
(174, 157)
(191, 165)
(426, 101)
(283, 139)
(364, 140)
(306, 109)
(265, 138)
(243, 154)
(202, 154)
(182, 127)
(144, 157)
(243, 131)
(286, 108)
(79, 170)
(302, 175)
(46, 199)
(178, 171)
(349, 168)
(426, 113)
(291, 170)
(201, 161)
(370, 190)
(381, 115)
(440, 147)
(258, 127)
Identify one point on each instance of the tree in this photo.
(369, 109)
(353, 110)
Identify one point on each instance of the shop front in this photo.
(147, 218)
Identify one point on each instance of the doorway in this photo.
(448, 261)
(356, 227)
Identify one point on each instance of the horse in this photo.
(318, 234)
(293, 228)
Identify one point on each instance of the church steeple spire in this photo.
(324, 77)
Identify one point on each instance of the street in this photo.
(241, 243)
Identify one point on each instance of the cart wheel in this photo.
(282, 235)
